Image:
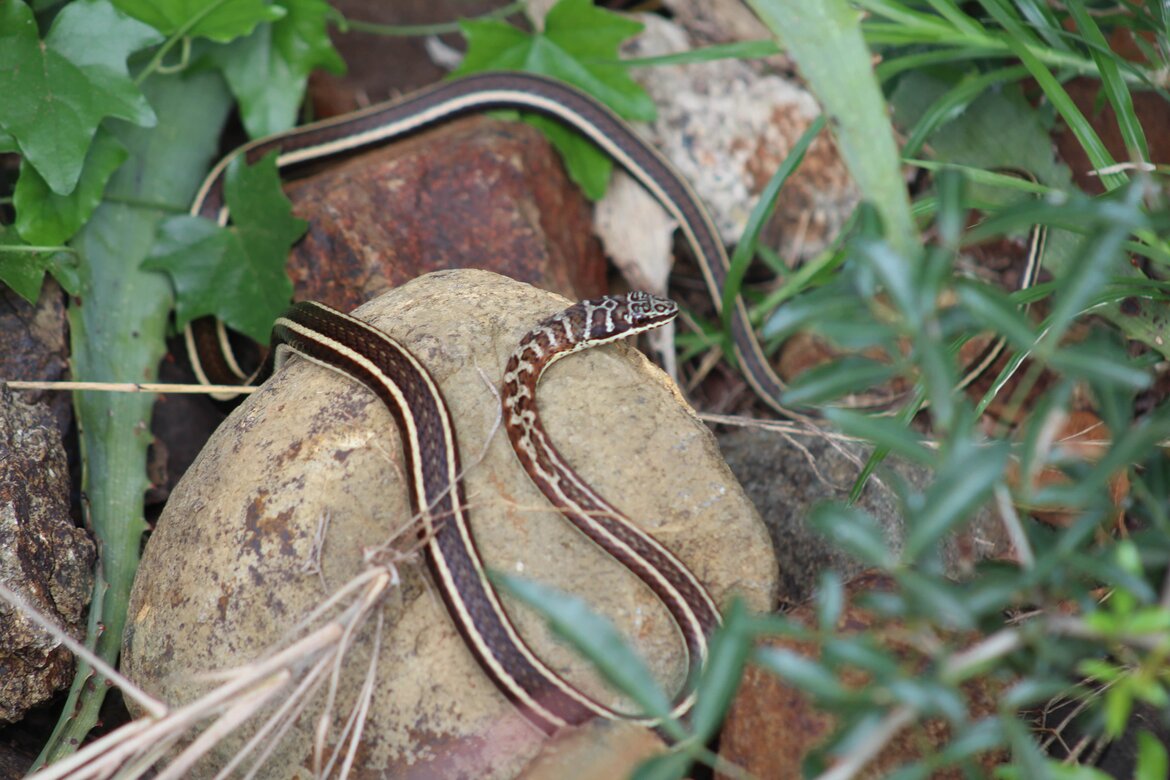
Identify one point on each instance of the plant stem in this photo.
(420, 30)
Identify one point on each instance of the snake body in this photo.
(354, 349)
(364, 354)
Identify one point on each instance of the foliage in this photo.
(107, 175)
(579, 45)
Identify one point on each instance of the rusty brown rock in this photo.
(225, 573)
(771, 727)
(475, 193)
(44, 557)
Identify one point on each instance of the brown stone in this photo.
(225, 573)
(475, 193)
(44, 557)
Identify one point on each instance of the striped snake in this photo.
(354, 349)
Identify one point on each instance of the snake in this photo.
(352, 348)
(359, 352)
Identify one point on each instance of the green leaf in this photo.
(854, 531)
(57, 92)
(1152, 762)
(579, 45)
(594, 637)
(235, 274)
(833, 380)
(745, 250)
(1105, 363)
(668, 766)
(44, 217)
(994, 310)
(804, 673)
(964, 481)
(884, 431)
(219, 20)
(825, 40)
(267, 71)
(731, 646)
(22, 267)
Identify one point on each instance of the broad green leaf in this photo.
(44, 217)
(594, 637)
(56, 92)
(118, 326)
(219, 20)
(579, 45)
(23, 267)
(235, 274)
(267, 71)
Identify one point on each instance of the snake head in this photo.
(644, 311)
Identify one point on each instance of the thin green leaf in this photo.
(668, 766)
(962, 483)
(854, 531)
(1018, 39)
(745, 250)
(830, 381)
(731, 646)
(1104, 363)
(885, 431)
(594, 637)
(825, 40)
(1114, 86)
(737, 50)
(803, 673)
(992, 309)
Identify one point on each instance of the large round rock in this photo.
(307, 475)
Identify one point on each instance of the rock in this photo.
(771, 727)
(44, 557)
(786, 475)
(472, 193)
(225, 574)
(34, 347)
(727, 128)
(601, 750)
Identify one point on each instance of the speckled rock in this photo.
(224, 574)
(44, 557)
